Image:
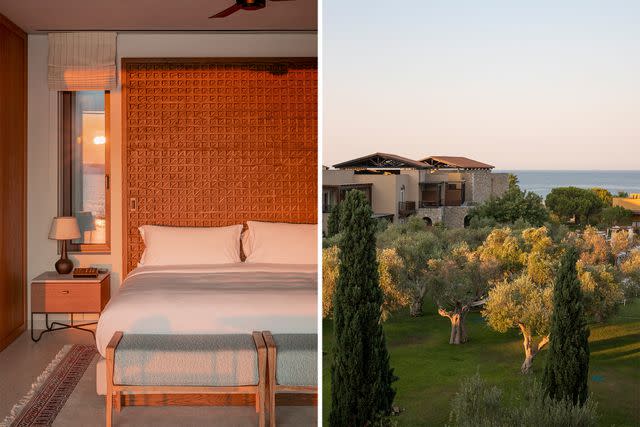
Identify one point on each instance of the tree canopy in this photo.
(572, 203)
(389, 269)
(604, 195)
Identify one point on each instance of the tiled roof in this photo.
(455, 162)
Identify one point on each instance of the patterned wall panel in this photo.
(217, 142)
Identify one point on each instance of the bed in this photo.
(210, 299)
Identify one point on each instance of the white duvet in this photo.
(224, 299)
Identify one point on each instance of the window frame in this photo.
(65, 138)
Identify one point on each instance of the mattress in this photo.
(222, 299)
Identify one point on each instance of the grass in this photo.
(430, 369)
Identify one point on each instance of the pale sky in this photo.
(516, 83)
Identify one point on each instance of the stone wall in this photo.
(499, 184)
(480, 183)
(451, 216)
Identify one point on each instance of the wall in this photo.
(499, 184)
(43, 132)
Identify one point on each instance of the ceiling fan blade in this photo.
(228, 11)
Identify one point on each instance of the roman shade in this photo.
(82, 61)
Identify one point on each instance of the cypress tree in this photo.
(567, 368)
(360, 374)
(333, 223)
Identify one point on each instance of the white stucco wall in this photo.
(43, 133)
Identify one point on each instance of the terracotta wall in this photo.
(213, 142)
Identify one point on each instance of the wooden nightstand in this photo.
(62, 293)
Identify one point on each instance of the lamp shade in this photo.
(64, 228)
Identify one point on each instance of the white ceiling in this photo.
(156, 15)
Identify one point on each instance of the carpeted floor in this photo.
(85, 408)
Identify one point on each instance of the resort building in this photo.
(631, 203)
(439, 189)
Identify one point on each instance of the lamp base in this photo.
(64, 266)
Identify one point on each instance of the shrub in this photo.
(478, 404)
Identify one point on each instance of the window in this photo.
(84, 167)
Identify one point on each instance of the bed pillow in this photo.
(190, 245)
(280, 243)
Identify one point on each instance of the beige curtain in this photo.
(82, 61)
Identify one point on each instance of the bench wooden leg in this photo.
(262, 380)
(109, 409)
(111, 349)
(118, 404)
(272, 388)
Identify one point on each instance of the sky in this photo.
(516, 83)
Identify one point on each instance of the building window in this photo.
(85, 174)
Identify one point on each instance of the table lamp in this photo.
(64, 228)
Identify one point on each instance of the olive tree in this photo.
(620, 242)
(460, 282)
(594, 248)
(630, 274)
(599, 280)
(503, 249)
(415, 246)
(389, 266)
(601, 290)
(524, 300)
(521, 303)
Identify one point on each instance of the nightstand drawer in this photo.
(69, 297)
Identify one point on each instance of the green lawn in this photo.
(430, 369)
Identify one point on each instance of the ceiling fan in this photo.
(242, 5)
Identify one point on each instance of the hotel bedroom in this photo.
(158, 190)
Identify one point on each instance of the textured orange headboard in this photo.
(211, 142)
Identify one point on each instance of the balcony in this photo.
(442, 194)
(406, 209)
(453, 197)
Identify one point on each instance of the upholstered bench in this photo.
(223, 364)
(292, 365)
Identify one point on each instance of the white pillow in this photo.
(280, 243)
(190, 245)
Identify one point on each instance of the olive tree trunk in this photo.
(417, 300)
(457, 319)
(531, 348)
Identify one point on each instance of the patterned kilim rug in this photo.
(41, 405)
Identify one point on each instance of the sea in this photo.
(542, 181)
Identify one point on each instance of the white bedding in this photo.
(222, 299)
